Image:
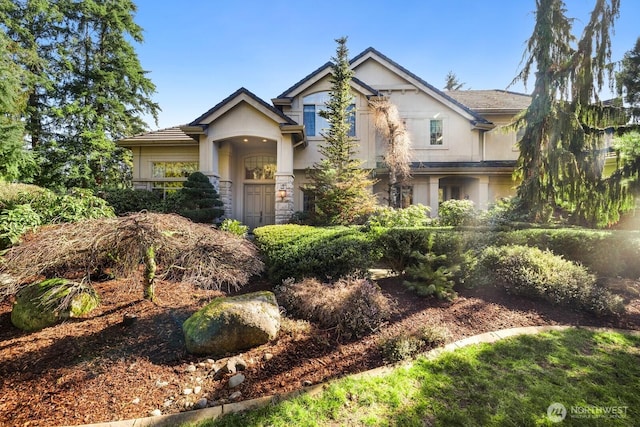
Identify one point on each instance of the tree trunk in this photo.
(150, 274)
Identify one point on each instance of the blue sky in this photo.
(200, 51)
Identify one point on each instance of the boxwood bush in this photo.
(300, 251)
(531, 272)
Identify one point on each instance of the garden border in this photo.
(227, 408)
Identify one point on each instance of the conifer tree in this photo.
(200, 201)
(339, 184)
(562, 150)
(628, 80)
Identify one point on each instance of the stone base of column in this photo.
(226, 195)
(284, 205)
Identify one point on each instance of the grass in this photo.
(511, 382)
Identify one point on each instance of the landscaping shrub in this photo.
(456, 212)
(128, 200)
(407, 345)
(182, 250)
(234, 226)
(24, 210)
(353, 306)
(531, 272)
(200, 201)
(411, 216)
(428, 278)
(301, 251)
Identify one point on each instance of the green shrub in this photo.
(198, 200)
(531, 272)
(128, 200)
(427, 278)
(234, 226)
(353, 306)
(25, 210)
(407, 345)
(15, 222)
(457, 212)
(301, 251)
(411, 216)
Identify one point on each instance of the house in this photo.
(256, 152)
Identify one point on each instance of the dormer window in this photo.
(314, 124)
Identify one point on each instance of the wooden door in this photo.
(259, 205)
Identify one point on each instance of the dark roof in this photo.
(305, 79)
(286, 119)
(493, 100)
(476, 116)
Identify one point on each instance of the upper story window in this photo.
(260, 167)
(435, 132)
(313, 122)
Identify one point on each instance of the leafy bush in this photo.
(234, 226)
(353, 306)
(457, 212)
(128, 200)
(24, 210)
(300, 251)
(408, 344)
(531, 272)
(411, 216)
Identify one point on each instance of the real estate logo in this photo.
(556, 412)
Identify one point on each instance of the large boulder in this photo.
(51, 301)
(233, 324)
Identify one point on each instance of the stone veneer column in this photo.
(284, 207)
(226, 195)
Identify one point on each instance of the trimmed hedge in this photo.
(300, 251)
(531, 272)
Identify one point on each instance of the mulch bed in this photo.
(99, 369)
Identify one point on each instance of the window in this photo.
(171, 175)
(315, 124)
(260, 167)
(308, 201)
(435, 132)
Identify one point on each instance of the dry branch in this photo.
(184, 251)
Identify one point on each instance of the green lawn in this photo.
(511, 382)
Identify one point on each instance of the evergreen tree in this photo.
(339, 185)
(452, 82)
(200, 201)
(562, 150)
(15, 161)
(628, 80)
(85, 83)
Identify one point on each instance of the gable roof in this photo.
(234, 99)
(491, 101)
(170, 135)
(370, 52)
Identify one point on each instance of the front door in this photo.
(259, 205)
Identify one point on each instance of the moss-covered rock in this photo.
(51, 301)
(233, 324)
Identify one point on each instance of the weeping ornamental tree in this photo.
(338, 184)
(565, 127)
(397, 155)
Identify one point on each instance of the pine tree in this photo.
(562, 150)
(15, 161)
(339, 184)
(452, 82)
(628, 80)
(85, 83)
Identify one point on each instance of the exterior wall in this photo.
(500, 144)
(144, 157)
